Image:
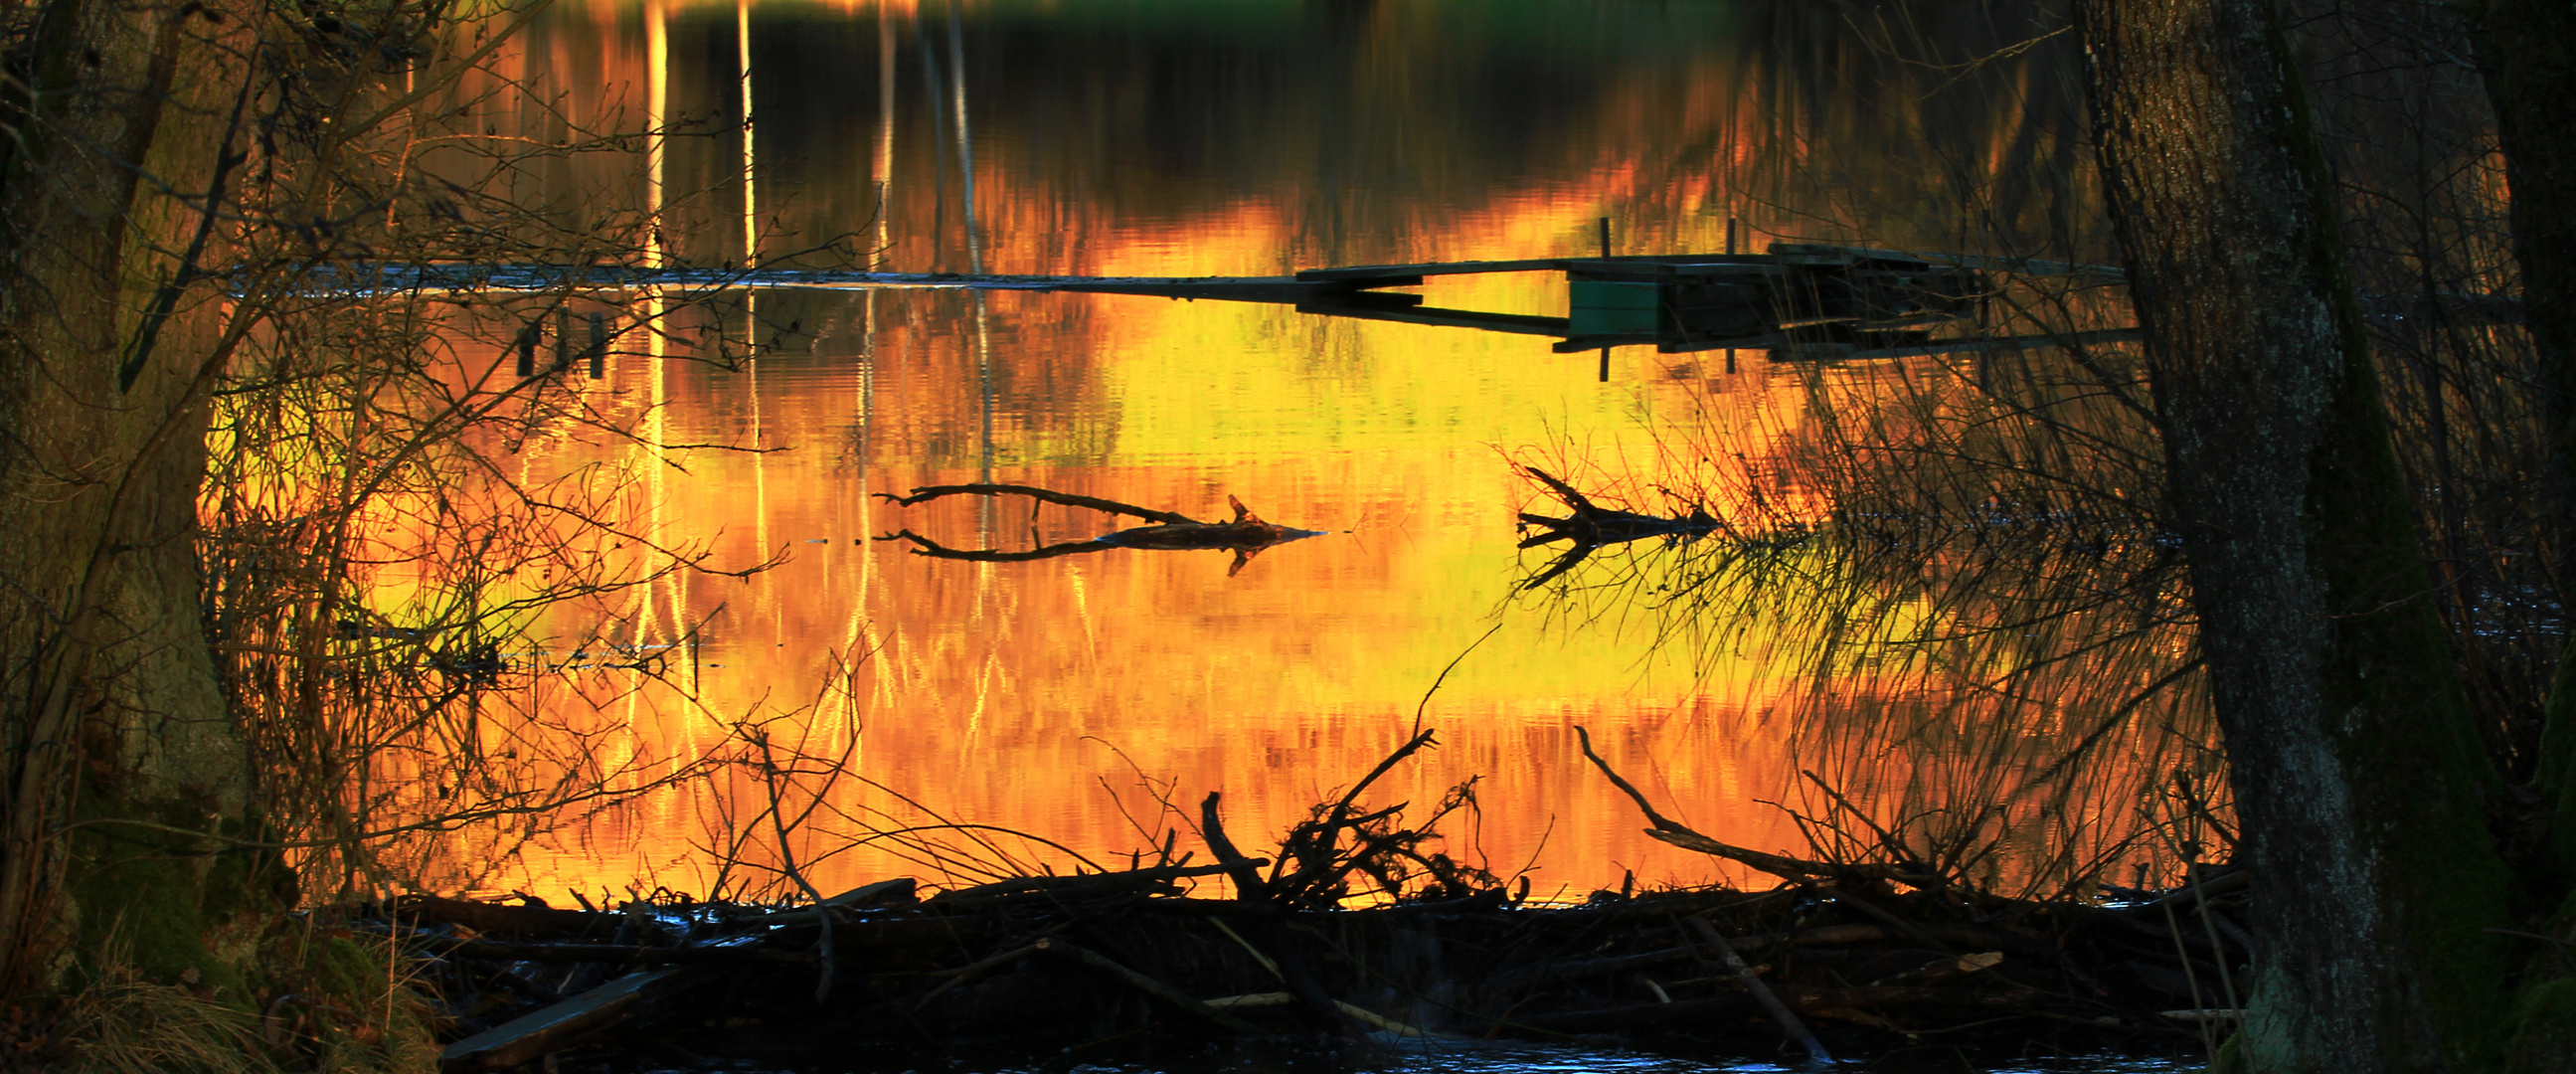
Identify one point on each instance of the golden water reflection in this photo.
(1007, 693)
(1035, 695)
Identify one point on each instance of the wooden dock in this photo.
(1796, 300)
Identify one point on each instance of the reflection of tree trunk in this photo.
(2527, 51)
(110, 694)
(2358, 775)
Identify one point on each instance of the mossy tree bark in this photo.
(2359, 778)
(109, 700)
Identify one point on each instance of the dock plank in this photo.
(1814, 352)
(1437, 268)
(1281, 289)
(1516, 323)
(597, 278)
(1821, 254)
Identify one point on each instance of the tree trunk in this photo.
(2527, 54)
(109, 701)
(2358, 775)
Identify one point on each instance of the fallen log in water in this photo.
(547, 1030)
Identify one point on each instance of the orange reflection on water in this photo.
(1035, 695)
(1007, 693)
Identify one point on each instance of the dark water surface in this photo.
(1481, 1058)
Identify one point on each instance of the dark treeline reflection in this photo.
(1374, 129)
(1257, 137)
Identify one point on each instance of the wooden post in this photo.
(528, 334)
(1605, 252)
(1730, 252)
(598, 346)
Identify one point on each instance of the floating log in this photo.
(1086, 883)
(534, 920)
(896, 891)
(1253, 999)
(549, 1030)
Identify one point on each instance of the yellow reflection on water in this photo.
(1057, 697)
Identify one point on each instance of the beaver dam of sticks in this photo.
(1856, 958)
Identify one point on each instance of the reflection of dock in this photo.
(1798, 300)
(1801, 298)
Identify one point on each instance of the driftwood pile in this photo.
(1837, 958)
(1057, 962)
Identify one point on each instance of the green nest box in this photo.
(1613, 307)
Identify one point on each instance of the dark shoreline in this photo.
(1107, 964)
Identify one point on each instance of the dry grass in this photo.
(337, 1003)
(126, 1025)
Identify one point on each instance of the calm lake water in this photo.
(1063, 697)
